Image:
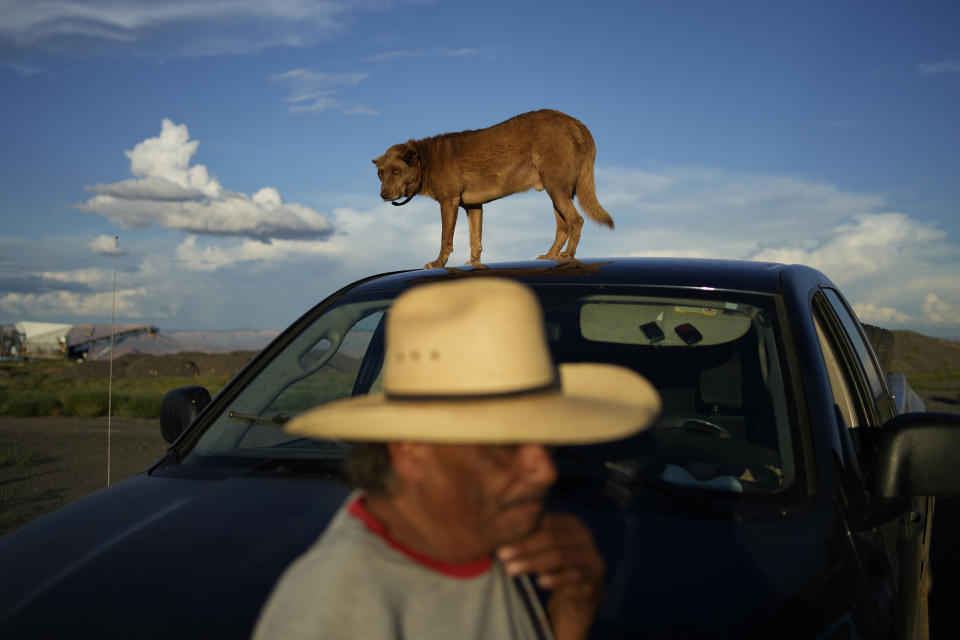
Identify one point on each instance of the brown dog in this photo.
(537, 150)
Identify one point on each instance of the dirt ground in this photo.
(46, 463)
(53, 461)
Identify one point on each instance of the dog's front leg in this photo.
(475, 216)
(448, 222)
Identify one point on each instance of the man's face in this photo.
(486, 495)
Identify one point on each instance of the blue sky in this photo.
(228, 145)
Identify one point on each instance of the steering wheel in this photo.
(707, 428)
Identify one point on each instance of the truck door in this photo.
(865, 403)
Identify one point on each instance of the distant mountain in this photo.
(165, 342)
(242, 340)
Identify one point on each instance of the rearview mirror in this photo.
(180, 407)
(918, 455)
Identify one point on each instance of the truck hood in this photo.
(182, 555)
(160, 556)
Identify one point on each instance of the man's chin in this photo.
(521, 519)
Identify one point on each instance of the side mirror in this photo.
(917, 455)
(180, 407)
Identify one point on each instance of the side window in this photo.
(337, 356)
(864, 352)
(850, 396)
(843, 396)
(336, 376)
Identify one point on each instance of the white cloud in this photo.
(390, 56)
(68, 304)
(203, 258)
(897, 271)
(716, 202)
(166, 160)
(106, 245)
(937, 311)
(169, 192)
(25, 68)
(199, 27)
(871, 244)
(319, 78)
(90, 277)
(368, 239)
(936, 68)
(873, 314)
(147, 188)
(214, 254)
(711, 213)
(315, 92)
(359, 109)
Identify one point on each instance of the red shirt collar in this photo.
(473, 569)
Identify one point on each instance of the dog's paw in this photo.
(549, 256)
(436, 264)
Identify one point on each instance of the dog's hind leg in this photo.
(569, 223)
(553, 253)
(448, 222)
(475, 217)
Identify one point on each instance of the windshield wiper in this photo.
(277, 419)
(323, 468)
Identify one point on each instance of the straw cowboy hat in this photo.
(468, 361)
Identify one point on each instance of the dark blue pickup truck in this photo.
(782, 493)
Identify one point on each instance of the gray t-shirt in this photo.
(357, 582)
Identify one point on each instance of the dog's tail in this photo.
(586, 191)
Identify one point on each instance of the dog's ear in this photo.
(377, 160)
(409, 154)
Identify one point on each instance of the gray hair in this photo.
(367, 467)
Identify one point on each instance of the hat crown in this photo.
(474, 337)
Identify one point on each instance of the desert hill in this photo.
(932, 367)
(915, 353)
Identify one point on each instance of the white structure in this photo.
(43, 339)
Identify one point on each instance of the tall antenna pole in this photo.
(113, 332)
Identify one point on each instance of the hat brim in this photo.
(596, 403)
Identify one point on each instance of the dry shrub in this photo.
(140, 405)
(85, 404)
(26, 404)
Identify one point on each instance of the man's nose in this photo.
(538, 466)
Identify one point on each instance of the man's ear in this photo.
(407, 459)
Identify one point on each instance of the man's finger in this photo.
(580, 579)
(562, 555)
(555, 529)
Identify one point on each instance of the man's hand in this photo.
(563, 557)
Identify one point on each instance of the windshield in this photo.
(713, 358)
